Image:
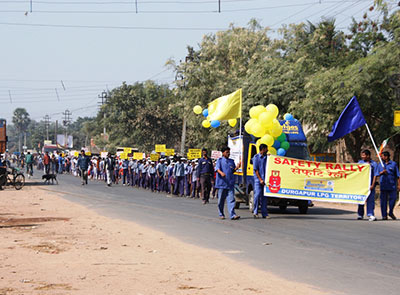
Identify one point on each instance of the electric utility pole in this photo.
(67, 120)
(47, 124)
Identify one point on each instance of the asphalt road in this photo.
(326, 248)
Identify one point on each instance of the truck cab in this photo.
(245, 148)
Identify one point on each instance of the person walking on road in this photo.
(259, 164)
(205, 172)
(389, 183)
(366, 159)
(83, 164)
(46, 162)
(225, 183)
(109, 167)
(29, 164)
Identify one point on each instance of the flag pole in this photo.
(373, 142)
(241, 111)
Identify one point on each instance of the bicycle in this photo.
(11, 176)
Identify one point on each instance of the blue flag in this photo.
(350, 119)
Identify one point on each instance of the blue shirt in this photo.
(205, 166)
(228, 167)
(125, 164)
(389, 180)
(374, 168)
(259, 163)
(83, 162)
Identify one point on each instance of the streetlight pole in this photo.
(104, 98)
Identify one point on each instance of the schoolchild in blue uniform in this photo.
(389, 183)
(259, 164)
(225, 183)
(125, 167)
(366, 159)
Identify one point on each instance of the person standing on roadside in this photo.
(109, 167)
(225, 183)
(29, 165)
(83, 164)
(46, 163)
(179, 176)
(205, 172)
(366, 159)
(259, 164)
(389, 183)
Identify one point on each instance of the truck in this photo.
(244, 148)
(3, 136)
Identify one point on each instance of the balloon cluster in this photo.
(214, 123)
(264, 125)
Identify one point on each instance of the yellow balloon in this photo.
(258, 130)
(197, 110)
(273, 109)
(232, 122)
(249, 126)
(265, 118)
(267, 139)
(206, 124)
(271, 151)
(256, 111)
(276, 130)
(258, 142)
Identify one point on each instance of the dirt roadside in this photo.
(49, 245)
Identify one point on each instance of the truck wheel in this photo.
(303, 208)
(282, 208)
(237, 205)
(251, 201)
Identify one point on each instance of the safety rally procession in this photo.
(265, 162)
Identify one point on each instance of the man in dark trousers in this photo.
(389, 183)
(83, 164)
(109, 167)
(205, 171)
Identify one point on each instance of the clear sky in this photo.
(94, 45)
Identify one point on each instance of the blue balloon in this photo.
(215, 123)
(288, 117)
(277, 144)
(205, 113)
(281, 152)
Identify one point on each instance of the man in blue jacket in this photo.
(83, 164)
(259, 164)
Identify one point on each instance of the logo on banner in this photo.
(274, 182)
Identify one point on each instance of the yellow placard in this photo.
(88, 153)
(160, 148)
(319, 181)
(194, 154)
(127, 150)
(138, 156)
(76, 154)
(396, 118)
(154, 157)
(123, 156)
(169, 152)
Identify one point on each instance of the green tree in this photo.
(21, 121)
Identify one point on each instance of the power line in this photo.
(112, 27)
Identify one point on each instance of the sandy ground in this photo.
(49, 245)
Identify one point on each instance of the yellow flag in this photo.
(226, 107)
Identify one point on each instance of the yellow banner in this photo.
(154, 157)
(160, 148)
(76, 154)
(194, 154)
(320, 181)
(169, 152)
(138, 156)
(123, 156)
(127, 150)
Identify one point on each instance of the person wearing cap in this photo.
(225, 183)
(188, 171)
(160, 168)
(179, 175)
(205, 171)
(193, 179)
(125, 167)
(152, 176)
(171, 179)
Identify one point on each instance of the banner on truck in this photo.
(236, 146)
(319, 181)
